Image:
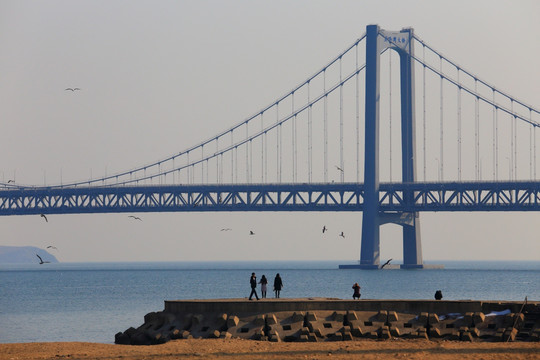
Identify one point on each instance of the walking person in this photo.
(356, 293)
(263, 283)
(253, 283)
(278, 284)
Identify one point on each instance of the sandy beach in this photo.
(249, 349)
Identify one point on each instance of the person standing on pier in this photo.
(253, 283)
(278, 284)
(356, 293)
(263, 283)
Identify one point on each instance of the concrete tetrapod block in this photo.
(404, 325)
(368, 321)
(205, 326)
(326, 324)
(492, 323)
(247, 327)
(287, 327)
(440, 327)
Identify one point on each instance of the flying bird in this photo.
(41, 260)
(251, 232)
(73, 89)
(337, 167)
(51, 247)
(324, 229)
(342, 235)
(10, 181)
(226, 229)
(135, 217)
(43, 216)
(386, 263)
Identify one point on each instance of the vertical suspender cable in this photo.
(277, 143)
(293, 138)
(247, 152)
(357, 120)
(236, 164)
(424, 105)
(217, 161)
(262, 149)
(512, 144)
(250, 160)
(221, 169)
(515, 161)
(325, 120)
(188, 170)
(459, 124)
(207, 171)
(441, 166)
(232, 158)
(310, 144)
(531, 128)
(390, 109)
(476, 131)
(202, 164)
(341, 165)
(534, 138)
(495, 140)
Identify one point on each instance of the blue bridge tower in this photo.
(378, 40)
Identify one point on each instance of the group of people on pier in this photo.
(278, 284)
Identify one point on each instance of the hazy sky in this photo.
(159, 76)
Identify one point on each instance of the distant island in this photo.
(24, 255)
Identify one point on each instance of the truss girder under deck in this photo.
(469, 196)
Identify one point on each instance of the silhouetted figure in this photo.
(278, 285)
(263, 283)
(356, 293)
(253, 283)
(438, 295)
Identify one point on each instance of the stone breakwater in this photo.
(322, 319)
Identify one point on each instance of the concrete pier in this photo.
(317, 304)
(329, 319)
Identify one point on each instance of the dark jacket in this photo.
(253, 282)
(278, 284)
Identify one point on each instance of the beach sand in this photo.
(249, 349)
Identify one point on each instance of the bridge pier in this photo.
(378, 40)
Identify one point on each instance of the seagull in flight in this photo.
(386, 263)
(251, 232)
(226, 229)
(43, 216)
(41, 260)
(337, 167)
(135, 217)
(342, 235)
(324, 229)
(10, 181)
(73, 89)
(52, 247)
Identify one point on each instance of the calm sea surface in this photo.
(93, 301)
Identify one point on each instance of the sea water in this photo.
(93, 301)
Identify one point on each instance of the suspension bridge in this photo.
(390, 127)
